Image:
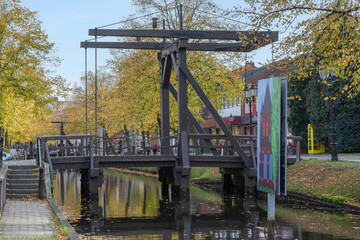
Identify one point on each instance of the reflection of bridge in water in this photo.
(113, 212)
(127, 202)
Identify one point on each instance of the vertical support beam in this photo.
(165, 72)
(96, 88)
(91, 153)
(86, 91)
(227, 184)
(182, 88)
(182, 171)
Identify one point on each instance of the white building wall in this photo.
(234, 110)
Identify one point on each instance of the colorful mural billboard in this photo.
(268, 135)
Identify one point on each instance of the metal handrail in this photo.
(41, 172)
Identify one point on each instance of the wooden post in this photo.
(91, 153)
(47, 155)
(297, 151)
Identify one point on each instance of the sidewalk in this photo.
(26, 220)
(327, 156)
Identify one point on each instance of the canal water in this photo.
(131, 207)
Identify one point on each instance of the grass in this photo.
(337, 181)
(205, 174)
(197, 173)
(145, 169)
(351, 154)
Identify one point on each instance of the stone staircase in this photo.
(22, 181)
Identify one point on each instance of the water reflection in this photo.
(131, 207)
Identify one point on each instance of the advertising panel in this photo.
(271, 136)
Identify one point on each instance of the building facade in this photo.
(237, 115)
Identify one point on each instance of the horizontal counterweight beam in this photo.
(229, 47)
(194, 34)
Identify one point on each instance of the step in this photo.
(28, 174)
(22, 181)
(22, 191)
(23, 176)
(23, 171)
(23, 167)
(22, 186)
(17, 196)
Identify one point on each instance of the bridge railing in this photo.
(221, 144)
(247, 142)
(198, 144)
(65, 146)
(132, 145)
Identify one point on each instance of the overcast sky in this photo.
(67, 22)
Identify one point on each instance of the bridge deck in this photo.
(82, 162)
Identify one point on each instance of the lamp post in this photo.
(326, 76)
(249, 94)
(231, 122)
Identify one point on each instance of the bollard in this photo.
(41, 183)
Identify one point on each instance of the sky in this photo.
(67, 23)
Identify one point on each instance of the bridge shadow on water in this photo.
(129, 206)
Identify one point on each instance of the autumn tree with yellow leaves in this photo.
(26, 87)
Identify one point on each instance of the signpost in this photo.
(271, 139)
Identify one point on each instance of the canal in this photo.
(131, 207)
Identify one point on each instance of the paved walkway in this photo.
(26, 220)
(323, 156)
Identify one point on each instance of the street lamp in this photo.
(326, 76)
(249, 94)
(231, 122)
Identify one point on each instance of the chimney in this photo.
(251, 64)
(154, 23)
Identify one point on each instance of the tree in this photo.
(26, 87)
(318, 37)
(299, 115)
(348, 124)
(326, 30)
(110, 106)
(309, 103)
